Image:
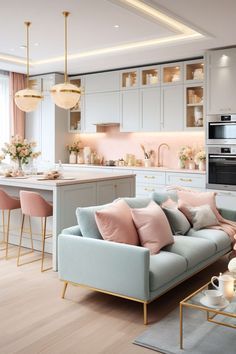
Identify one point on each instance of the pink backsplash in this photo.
(114, 145)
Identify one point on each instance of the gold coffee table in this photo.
(194, 301)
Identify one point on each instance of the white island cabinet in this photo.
(83, 189)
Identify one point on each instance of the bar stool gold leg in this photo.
(64, 289)
(3, 226)
(44, 237)
(21, 234)
(31, 235)
(8, 226)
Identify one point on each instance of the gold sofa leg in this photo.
(64, 289)
(145, 320)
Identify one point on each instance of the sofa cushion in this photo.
(153, 227)
(193, 249)
(140, 202)
(163, 196)
(202, 217)
(164, 267)
(86, 220)
(178, 222)
(195, 199)
(219, 237)
(115, 223)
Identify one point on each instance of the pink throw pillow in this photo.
(188, 199)
(115, 223)
(153, 227)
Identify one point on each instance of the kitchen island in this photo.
(74, 190)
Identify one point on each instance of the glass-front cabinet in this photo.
(194, 94)
(194, 71)
(75, 113)
(129, 79)
(150, 76)
(172, 74)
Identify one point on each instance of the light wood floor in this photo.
(34, 319)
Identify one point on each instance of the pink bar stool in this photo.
(7, 203)
(34, 205)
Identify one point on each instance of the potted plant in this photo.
(73, 149)
(200, 160)
(186, 154)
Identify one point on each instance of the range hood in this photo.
(106, 124)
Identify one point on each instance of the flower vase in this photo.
(191, 165)
(147, 162)
(202, 165)
(73, 157)
(181, 164)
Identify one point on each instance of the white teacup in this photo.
(226, 285)
(214, 297)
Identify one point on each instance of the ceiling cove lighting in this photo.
(182, 33)
(27, 100)
(65, 95)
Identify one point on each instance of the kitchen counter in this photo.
(85, 189)
(135, 168)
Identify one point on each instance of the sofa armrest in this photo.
(113, 267)
(73, 230)
(229, 214)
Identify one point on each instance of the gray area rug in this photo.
(200, 336)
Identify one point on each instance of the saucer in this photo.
(224, 303)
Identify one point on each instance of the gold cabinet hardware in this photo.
(149, 189)
(186, 179)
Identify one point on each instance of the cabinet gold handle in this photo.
(152, 177)
(149, 189)
(186, 179)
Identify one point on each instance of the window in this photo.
(4, 108)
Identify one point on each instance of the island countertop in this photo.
(39, 182)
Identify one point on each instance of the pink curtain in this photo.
(17, 82)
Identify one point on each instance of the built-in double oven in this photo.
(221, 167)
(221, 129)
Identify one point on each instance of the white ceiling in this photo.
(90, 27)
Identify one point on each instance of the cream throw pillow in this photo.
(203, 216)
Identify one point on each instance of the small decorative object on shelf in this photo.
(2, 157)
(147, 156)
(200, 160)
(74, 149)
(20, 151)
(186, 157)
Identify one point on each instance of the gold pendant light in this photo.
(27, 100)
(65, 95)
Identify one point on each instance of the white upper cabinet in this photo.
(172, 108)
(150, 109)
(130, 111)
(221, 81)
(102, 82)
(101, 108)
(150, 76)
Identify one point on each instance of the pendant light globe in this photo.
(65, 95)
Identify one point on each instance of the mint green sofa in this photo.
(129, 271)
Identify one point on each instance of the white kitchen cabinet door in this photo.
(172, 108)
(151, 109)
(130, 111)
(47, 129)
(102, 82)
(101, 108)
(221, 81)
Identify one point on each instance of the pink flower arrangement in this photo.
(20, 149)
(186, 153)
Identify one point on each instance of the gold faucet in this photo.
(158, 153)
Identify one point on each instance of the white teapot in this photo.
(226, 285)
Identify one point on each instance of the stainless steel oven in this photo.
(221, 167)
(221, 129)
